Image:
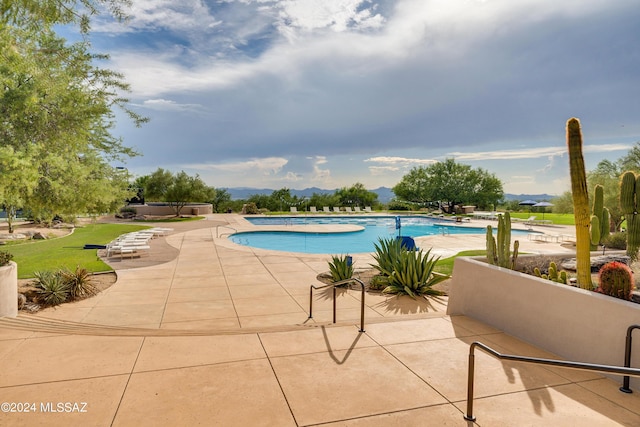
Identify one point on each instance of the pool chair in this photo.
(408, 243)
(347, 209)
(357, 209)
(293, 209)
(312, 209)
(336, 209)
(326, 209)
(367, 208)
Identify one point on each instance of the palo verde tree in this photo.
(56, 105)
(450, 184)
(177, 190)
(356, 195)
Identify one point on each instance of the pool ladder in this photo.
(225, 234)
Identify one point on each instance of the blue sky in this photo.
(283, 93)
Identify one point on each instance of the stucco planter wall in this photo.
(9, 290)
(576, 324)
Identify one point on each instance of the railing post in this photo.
(627, 358)
(470, 377)
(334, 304)
(311, 302)
(362, 309)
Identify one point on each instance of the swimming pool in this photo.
(375, 227)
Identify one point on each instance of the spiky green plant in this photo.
(599, 229)
(341, 267)
(412, 274)
(580, 203)
(616, 279)
(553, 274)
(79, 282)
(51, 287)
(386, 254)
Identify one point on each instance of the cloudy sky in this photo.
(327, 93)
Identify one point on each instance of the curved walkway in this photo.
(219, 335)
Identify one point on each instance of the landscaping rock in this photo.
(38, 236)
(596, 262)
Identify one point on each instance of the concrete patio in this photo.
(219, 335)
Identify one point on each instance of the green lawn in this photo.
(445, 266)
(67, 251)
(559, 219)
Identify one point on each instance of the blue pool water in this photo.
(344, 243)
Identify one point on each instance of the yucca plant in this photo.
(51, 287)
(341, 267)
(79, 282)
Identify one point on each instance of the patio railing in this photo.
(336, 284)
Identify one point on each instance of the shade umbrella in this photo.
(542, 205)
(527, 203)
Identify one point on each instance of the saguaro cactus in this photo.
(580, 203)
(599, 218)
(499, 250)
(629, 186)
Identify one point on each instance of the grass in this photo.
(445, 266)
(559, 219)
(68, 251)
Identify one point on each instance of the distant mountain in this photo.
(384, 194)
(536, 197)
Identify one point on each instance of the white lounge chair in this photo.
(347, 209)
(336, 209)
(313, 209)
(367, 208)
(293, 209)
(357, 209)
(326, 209)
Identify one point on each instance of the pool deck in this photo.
(219, 335)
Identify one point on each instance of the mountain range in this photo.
(385, 195)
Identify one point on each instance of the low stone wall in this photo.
(576, 324)
(165, 209)
(9, 290)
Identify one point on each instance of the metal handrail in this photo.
(627, 358)
(553, 362)
(342, 282)
(224, 226)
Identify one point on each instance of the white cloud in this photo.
(168, 105)
(534, 153)
(265, 166)
(402, 161)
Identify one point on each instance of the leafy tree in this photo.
(321, 200)
(18, 181)
(221, 200)
(563, 204)
(356, 195)
(56, 107)
(177, 190)
(450, 184)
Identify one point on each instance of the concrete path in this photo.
(219, 335)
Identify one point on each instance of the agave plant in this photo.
(387, 253)
(407, 272)
(79, 282)
(51, 286)
(341, 267)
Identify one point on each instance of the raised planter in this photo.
(9, 290)
(575, 324)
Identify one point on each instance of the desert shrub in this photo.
(399, 206)
(341, 267)
(250, 209)
(616, 240)
(79, 282)
(5, 257)
(51, 287)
